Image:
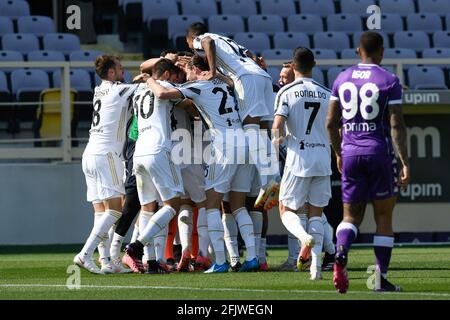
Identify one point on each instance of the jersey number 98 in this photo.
(368, 108)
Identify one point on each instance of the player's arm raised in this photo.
(333, 126)
(209, 46)
(399, 136)
(163, 93)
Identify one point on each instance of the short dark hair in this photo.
(166, 52)
(198, 62)
(303, 59)
(164, 65)
(197, 29)
(103, 63)
(371, 42)
(185, 54)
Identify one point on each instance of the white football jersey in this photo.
(112, 110)
(304, 103)
(230, 57)
(154, 119)
(216, 104)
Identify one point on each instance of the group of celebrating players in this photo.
(248, 149)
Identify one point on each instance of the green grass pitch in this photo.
(41, 273)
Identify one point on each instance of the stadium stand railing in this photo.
(66, 151)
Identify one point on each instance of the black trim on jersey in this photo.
(323, 87)
(124, 90)
(285, 88)
(195, 90)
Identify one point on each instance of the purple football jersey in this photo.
(364, 92)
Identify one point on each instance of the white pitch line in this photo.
(432, 294)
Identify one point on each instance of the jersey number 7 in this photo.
(316, 107)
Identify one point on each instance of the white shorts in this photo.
(254, 94)
(156, 175)
(256, 186)
(103, 175)
(194, 182)
(224, 178)
(296, 191)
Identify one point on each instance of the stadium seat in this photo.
(322, 7)
(344, 22)
(22, 42)
(402, 7)
(203, 8)
(128, 78)
(428, 22)
(290, 40)
(324, 54)
(14, 8)
(317, 75)
(331, 40)
(38, 25)
(46, 56)
(277, 54)
(391, 22)
(6, 25)
(429, 77)
(349, 54)
(447, 20)
(48, 119)
(416, 40)
(255, 42)
(307, 23)
(179, 24)
(80, 80)
(269, 23)
(437, 53)
(84, 55)
(357, 35)
(441, 39)
(274, 72)
(27, 86)
(10, 56)
(243, 8)
(400, 53)
(64, 42)
(281, 8)
(333, 73)
(158, 9)
(434, 6)
(6, 112)
(227, 25)
(358, 7)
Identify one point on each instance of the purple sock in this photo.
(345, 238)
(382, 246)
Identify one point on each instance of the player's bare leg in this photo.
(383, 242)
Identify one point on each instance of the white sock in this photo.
(293, 224)
(245, 225)
(185, 226)
(216, 234)
(160, 244)
(262, 250)
(293, 247)
(315, 229)
(135, 234)
(100, 231)
(257, 220)
(230, 236)
(202, 230)
(149, 249)
(102, 247)
(116, 246)
(328, 244)
(158, 222)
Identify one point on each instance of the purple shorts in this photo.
(369, 177)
